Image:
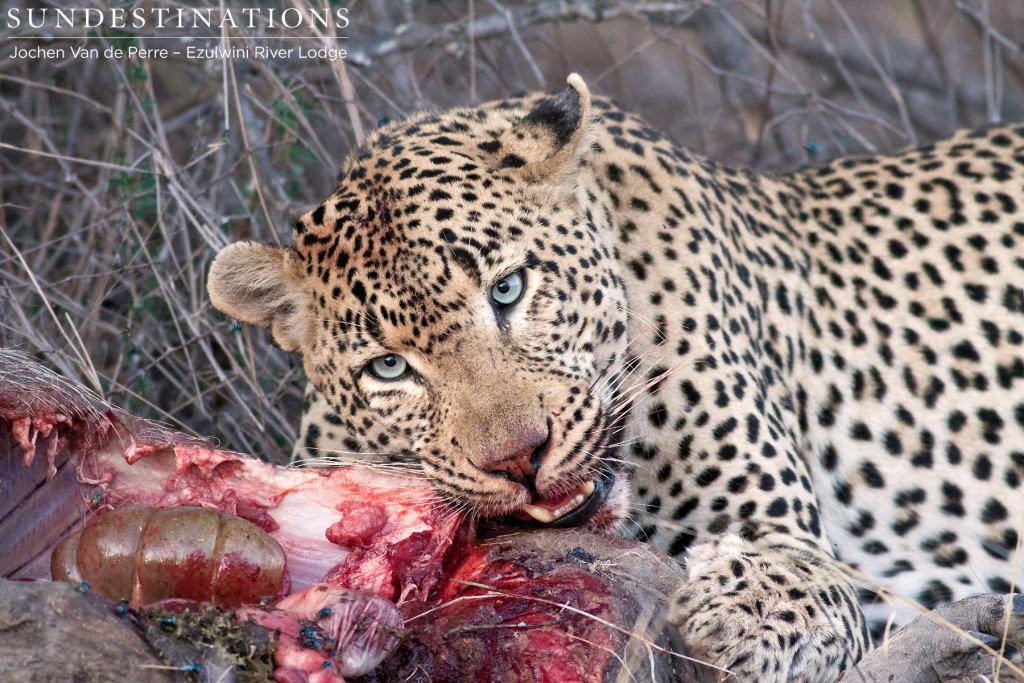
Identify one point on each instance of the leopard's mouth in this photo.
(573, 508)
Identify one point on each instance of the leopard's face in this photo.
(438, 313)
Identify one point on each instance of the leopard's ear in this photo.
(262, 285)
(545, 144)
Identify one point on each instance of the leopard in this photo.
(806, 386)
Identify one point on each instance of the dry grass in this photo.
(120, 179)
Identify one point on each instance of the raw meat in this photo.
(145, 554)
(370, 530)
(366, 550)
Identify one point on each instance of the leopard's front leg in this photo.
(766, 611)
(728, 434)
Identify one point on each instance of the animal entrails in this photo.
(808, 371)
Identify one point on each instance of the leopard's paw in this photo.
(758, 614)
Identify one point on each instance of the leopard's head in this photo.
(456, 300)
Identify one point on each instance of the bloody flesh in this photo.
(551, 605)
(116, 465)
(145, 554)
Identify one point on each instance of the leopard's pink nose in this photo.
(518, 458)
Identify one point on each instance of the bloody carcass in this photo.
(382, 579)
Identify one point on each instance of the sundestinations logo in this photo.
(142, 17)
(203, 32)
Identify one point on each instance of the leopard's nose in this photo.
(519, 458)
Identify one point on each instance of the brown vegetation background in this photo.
(120, 179)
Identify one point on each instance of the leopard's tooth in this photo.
(576, 501)
(587, 488)
(540, 514)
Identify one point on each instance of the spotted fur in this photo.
(818, 376)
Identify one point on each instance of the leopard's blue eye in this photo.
(389, 367)
(509, 290)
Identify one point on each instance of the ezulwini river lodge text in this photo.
(189, 52)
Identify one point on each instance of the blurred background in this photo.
(120, 179)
